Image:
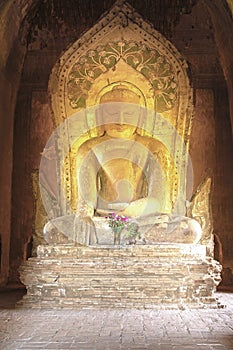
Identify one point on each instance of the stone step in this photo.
(140, 271)
(126, 303)
(137, 286)
(134, 266)
(114, 285)
(112, 277)
(135, 291)
(160, 251)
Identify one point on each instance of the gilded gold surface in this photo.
(200, 210)
(155, 67)
(123, 169)
(138, 57)
(121, 176)
(134, 53)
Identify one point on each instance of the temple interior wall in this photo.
(26, 119)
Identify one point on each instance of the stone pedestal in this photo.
(156, 276)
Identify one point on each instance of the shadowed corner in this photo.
(11, 295)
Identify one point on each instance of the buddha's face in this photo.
(121, 118)
(120, 112)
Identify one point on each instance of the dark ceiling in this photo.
(51, 15)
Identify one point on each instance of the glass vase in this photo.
(117, 237)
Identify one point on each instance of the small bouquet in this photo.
(120, 222)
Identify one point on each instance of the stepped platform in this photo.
(158, 276)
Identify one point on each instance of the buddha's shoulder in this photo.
(149, 141)
(90, 144)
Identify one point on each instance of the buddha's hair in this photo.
(120, 93)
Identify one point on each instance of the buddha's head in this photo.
(120, 108)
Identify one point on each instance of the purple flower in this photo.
(124, 219)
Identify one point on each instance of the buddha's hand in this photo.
(84, 230)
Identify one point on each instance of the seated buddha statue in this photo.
(124, 172)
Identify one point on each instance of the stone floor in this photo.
(115, 329)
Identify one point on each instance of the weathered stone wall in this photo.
(223, 192)
(37, 122)
(222, 22)
(11, 59)
(211, 146)
(203, 142)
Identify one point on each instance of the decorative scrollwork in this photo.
(149, 62)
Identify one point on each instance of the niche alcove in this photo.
(121, 56)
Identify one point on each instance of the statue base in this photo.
(162, 276)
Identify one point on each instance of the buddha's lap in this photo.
(154, 229)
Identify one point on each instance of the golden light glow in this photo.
(117, 169)
(124, 84)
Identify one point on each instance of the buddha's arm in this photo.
(87, 183)
(142, 207)
(157, 171)
(162, 175)
(87, 197)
